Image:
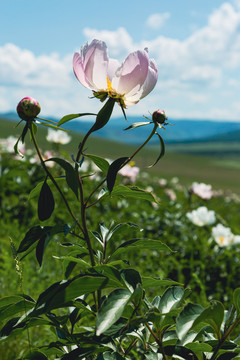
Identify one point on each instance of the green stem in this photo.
(126, 162)
(52, 178)
(224, 338)
(140, 147)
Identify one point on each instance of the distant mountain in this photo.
(181, 130)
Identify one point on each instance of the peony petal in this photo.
(95, 64)
(151, 79)
(133, 72)
(113, 65)
(79, 71)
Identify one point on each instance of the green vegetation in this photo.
(151, 244)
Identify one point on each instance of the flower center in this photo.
(110, 92)
(221, 239)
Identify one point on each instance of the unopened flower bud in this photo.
(28, 108)
(159, 117)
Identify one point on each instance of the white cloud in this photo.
(202, 69)
(156, 21)
(119, 42)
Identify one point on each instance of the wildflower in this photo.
(204, 191)
(222, 235)
(171, 193)
(7, 145)
(28, 108)
(127, 83)
(58, 136)
(162, 182)
(202, 216)
(130, 172)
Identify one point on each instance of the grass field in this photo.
(215, 163)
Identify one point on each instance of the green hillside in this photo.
(217, 163)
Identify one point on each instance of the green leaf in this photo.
(171, 299)
(133, 192)
(104, 115)
(162, 150)
(21, 306)
(111, 273)
(80, 261)
(46, 202)
(16, 150)
(138, 124)
(67, 118)
(60, 293)
(199, 347)
(41, 246)
(112, 172)
(140, 244)
(110, 356)
(236, 299)
(181, 351)
(33, 235)
(186, 319)
(36, 191)
(148, 282)
(53, 126)
(71, 175)
(100, 162)
(213, 316)
(41, 234)
(9, 300)
(35, 355)
(112, 309)
(131, 278)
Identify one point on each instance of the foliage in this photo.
(117, 260)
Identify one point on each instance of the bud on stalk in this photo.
(28, 108)
(159, 117)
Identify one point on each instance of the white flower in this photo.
(204, 191)
(202, 216)
(7, 145)
(236, 239)
(223, 235)
(58, 136)
(127, 83)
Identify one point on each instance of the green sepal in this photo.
(104, 115)
(162, 150)
(69, 117)
(138, 124)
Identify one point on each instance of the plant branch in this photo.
(52, 178)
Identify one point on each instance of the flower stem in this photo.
(52, 178)
(126, 162)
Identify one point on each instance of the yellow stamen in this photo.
(221, 239)
(132, 163)
(109, 84)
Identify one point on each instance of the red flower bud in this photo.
(159, 117)
(28, 108)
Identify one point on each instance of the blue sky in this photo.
(196, 45)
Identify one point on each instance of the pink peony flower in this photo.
(128, 82)
(129, 171)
